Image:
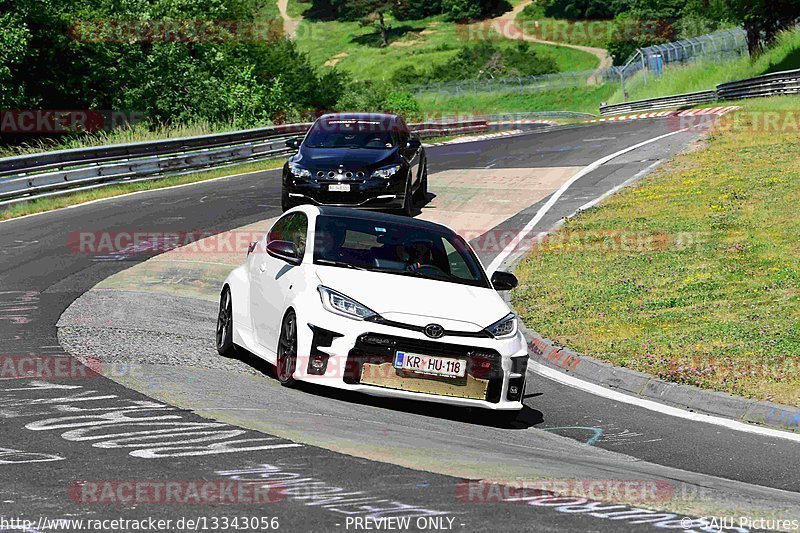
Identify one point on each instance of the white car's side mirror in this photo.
(285, 251)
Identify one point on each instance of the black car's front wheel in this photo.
(287, 350)
(285, 203)
(422, 191)
(408, 201)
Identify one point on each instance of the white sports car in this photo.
(379, 304)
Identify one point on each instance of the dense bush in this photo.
(417, 9)
(483, 60)
(458, 10)
(60, 54)
(377, 96)
(488, 60)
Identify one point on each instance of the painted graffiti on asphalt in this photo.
(313, 492)
(143, 428)
(10, 456)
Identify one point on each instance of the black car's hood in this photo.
(346, 158)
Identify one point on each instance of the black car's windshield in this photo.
(396, 248)
(353, 134)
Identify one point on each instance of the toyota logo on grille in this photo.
(434, 331)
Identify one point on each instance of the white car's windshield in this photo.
(396, 248)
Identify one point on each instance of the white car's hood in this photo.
(417, 301)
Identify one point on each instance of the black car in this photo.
(362, 160)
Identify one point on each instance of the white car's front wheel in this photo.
(287, 350)
(225, 346)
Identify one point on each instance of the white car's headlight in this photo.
(504, 328)
(387, 172)
(298, 171)
(340, 304)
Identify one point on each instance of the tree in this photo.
(464, 10)
(373, 13)
(417, 9)
(14, 38)
(763, 19)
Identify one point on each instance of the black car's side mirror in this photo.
(504, 281)
(293, 143)
(285, 251)
(414, 143)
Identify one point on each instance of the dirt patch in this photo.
(332, 62)
(406, 44)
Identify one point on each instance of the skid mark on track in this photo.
(18, 307)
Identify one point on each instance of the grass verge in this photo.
(585, 99)
(694, 274)
(81, 197)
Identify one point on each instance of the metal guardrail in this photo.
(537, 115)
(666, 102)
(57, 159)
(776, 84)
(28, 177)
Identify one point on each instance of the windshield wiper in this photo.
(409, 273)
(331, 262)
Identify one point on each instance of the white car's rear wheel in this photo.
(287, 350)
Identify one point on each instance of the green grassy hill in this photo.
(422, 43)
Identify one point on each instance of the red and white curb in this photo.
(521, 122)
(473, 138)
(718, 111)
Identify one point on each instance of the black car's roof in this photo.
(377, 216)
(360, 116)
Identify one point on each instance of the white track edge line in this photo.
(630, 181)
(502, 256)
(651, 405)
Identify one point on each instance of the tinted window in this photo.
(292, 228)
(396, 248)
(377, 134)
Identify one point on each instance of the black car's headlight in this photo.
(340, 304)
(504, 328)
(299, 172)
(386, 172)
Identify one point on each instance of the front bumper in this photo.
(358, 356)
(368, 193)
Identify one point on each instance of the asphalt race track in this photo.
(331, 457)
